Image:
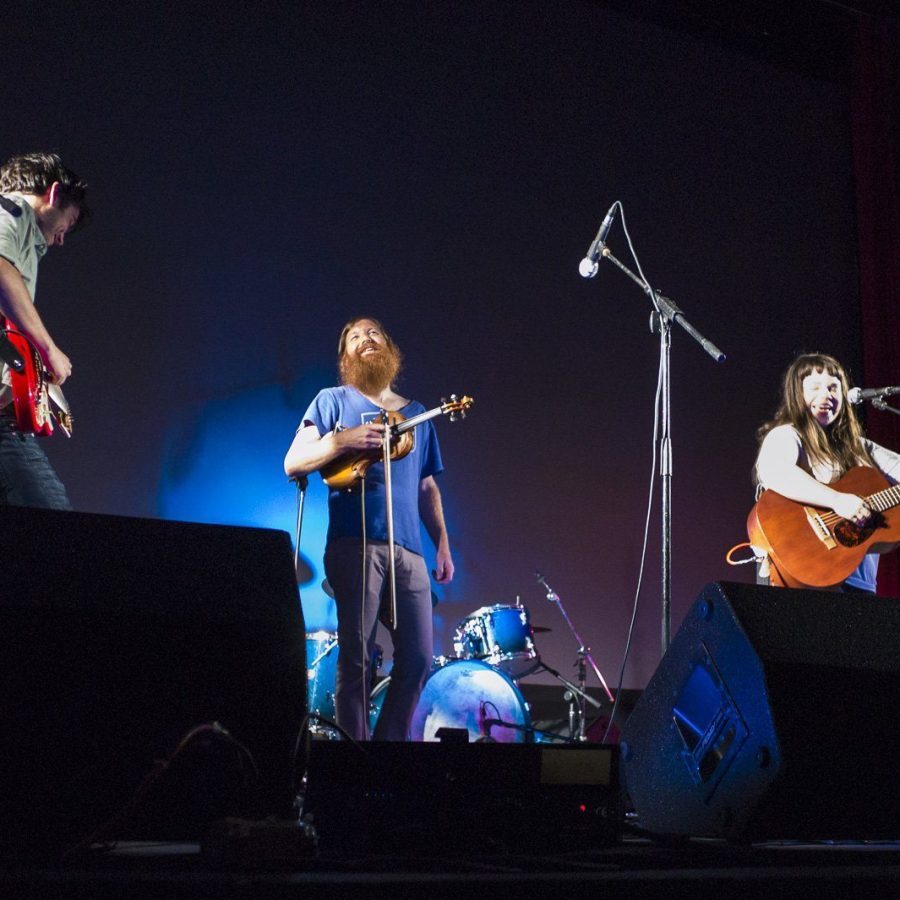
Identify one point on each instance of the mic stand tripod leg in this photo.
(583, 649)
(578, 699)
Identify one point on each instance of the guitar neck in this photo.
(884, 500)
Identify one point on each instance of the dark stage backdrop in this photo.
(261, 174)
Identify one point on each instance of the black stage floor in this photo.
(634, 868)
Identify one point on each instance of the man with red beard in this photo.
(346, 420)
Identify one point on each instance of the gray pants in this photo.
(413, 642)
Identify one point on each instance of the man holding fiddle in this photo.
(346, 421)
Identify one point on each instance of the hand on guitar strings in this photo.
(852, 508)
(58, 365)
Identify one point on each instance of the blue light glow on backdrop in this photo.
(224, 465)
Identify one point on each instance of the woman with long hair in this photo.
(813, 439)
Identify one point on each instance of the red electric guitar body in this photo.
(37, 402)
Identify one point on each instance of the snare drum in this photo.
(470, 694)
(502, 636)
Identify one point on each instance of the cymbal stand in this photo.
(665, 313)
(584, 659)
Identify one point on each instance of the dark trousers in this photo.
(357, 623)
(26, 476)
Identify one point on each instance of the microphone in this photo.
(587, 268)
(858, 395)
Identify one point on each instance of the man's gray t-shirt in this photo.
(22, 244)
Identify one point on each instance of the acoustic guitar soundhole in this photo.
(850, 535)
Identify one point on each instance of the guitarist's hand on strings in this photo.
(58, 365)
(363, 437)
(852, 508)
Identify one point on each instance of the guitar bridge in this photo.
(814, 517)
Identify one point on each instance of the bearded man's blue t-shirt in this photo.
(345, 407)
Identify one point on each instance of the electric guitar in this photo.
(814, 547)
(37, 402)
(348, 468)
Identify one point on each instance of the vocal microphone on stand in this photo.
(587, 268)
(859, 395)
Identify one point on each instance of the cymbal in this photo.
(540, 629)
(304, 571)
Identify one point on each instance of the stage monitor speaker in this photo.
(771, 716)
(449, 798)
(117, 637)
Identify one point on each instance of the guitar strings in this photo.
(878, 502)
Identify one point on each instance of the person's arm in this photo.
(777, 469)
(432, 513)
(16, 305)
(310, 450)
(886, 461)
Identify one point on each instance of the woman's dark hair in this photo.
(841, 444)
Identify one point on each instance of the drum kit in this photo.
(476, 689)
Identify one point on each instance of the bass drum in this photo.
(470, 694)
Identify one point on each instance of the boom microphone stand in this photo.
(665, 312)
(882, 405)
(584, 658)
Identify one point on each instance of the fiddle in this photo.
(345, 471)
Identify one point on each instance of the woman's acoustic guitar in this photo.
(814, 547)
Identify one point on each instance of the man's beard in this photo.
(372, 373)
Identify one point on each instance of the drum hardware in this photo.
(536, 735)
(576, 696)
